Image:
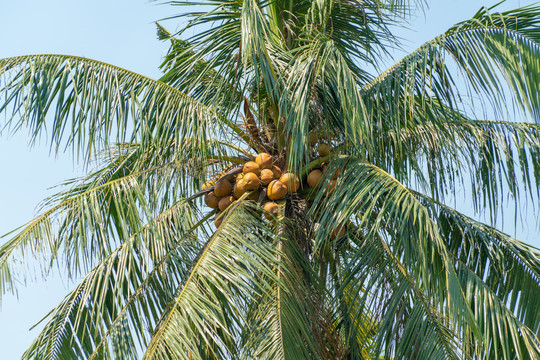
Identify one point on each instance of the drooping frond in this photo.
(496, 55)
(78, 230)
(507, 268)
(206, 314)
(101, 317)
(94, 104)
(500, 157)
(416, 245)
(495, 157)
(288, 323)
(487, 48)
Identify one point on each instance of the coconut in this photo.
(251, 167)
(225, 202)
(264, 161)
(211, 200)
(222, 188)
(314, 178)
(323, 150)
(338, 232)
(276, 171)
(239, 176)
(251, 181)
(276, 190)
(230, 178)
(312, 138)
(239, 189)
(218, 220)
(254, 195)
(270, 210)
(266, 176)
(291, 181)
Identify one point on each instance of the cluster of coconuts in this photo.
(262, 179)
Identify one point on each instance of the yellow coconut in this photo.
(251, 167)
(323, 150)
(314, 178)
(251, 181)
(225, 202)
(222, 188)
(266, 176)
(270, 210)
(264, 161)
(239, 176)
(276, 190)
(254, 195)
(239, 189)
(291, 181)
(276, 171)
(211, 200)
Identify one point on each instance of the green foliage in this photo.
(407, 278)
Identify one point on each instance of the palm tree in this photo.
(366, 262)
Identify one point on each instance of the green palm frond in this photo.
(358, 29)
(201, 80)
(285, 323)
(82, 224)
(203, 319)
(496, 55)
(385, 207)
(94, 104)
(408, 323)
(208, 65)
(78, 229)
(492, 255)
(139, 277)
(484, 49)
(497, 157)
(319, 72)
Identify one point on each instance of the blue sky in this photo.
(119, 32)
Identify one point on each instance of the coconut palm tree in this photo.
(364, 261)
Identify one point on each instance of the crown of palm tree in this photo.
(368, 263)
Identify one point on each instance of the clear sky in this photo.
(120, 32)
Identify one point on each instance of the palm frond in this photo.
(95, 104)
(208, 64)
(496, 157)
(382, 204)
(507, 267)
(497, 55)
(286, 324)
(82, 224)
(487, 49)
(101, 317)
(205, 316)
